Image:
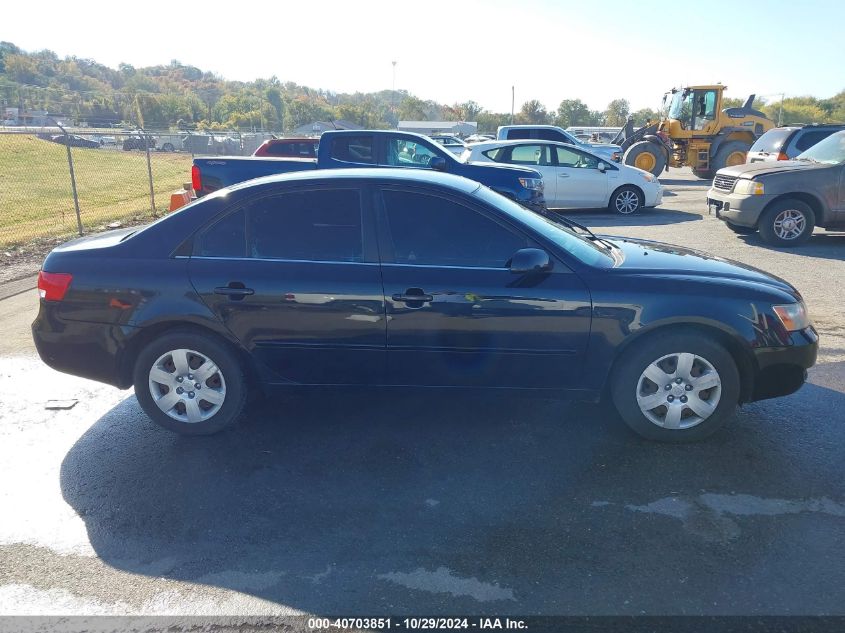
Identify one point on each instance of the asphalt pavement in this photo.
(364, 502)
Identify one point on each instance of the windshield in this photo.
(583, 249)
(830, 151)
(681, 106)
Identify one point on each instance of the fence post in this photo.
(72, 177)
(147, 138)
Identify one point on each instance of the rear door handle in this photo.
(413, 295)
(563, 175)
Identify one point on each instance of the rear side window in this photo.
(533, 155)
(319, 225)
(353, 149)
(772, 141)
(808, 139)
(519, 134)
(497, 154)
(291, 149)
(551, 135)
(431, 231)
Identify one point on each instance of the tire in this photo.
(788, 222)
(167, 147)
(741, 230)
(626, 200)
(704, 174)
(227, 381)
(631, 387)
(646, 155)
(729, 155)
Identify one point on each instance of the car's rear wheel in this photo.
(676, 387)
(627, 200)
(190, 383)
(787, 223)
(168, 147)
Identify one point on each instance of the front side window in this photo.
(808, 139)
(402, 152)
(353, 149)
(830, 151)
(431, 231)
(319, 225)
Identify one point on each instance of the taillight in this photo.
(782, 156)
(53, 286)
(196, 179)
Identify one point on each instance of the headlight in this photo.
(532, 183)
(748, 187)
(793, 316)
(647, 176)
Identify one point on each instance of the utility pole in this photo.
(393, 93)
(512, 102)
(780, 114)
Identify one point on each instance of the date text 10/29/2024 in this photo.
(416, 624)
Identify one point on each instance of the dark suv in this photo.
(785, 143)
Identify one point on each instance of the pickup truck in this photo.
(369, 148)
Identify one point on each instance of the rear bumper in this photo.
(737, 209)
(783, 370)
(88, 350)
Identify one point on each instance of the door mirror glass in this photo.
(530, 260)
(438, 163)
(602, 167)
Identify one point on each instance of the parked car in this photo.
(785, 143)
(355, 149)
(555, 133)
(74, 140)
(138, 141)
(171, 142)
(479, 138)
(303, 147)
(784, 200)
(450, 142)
(575, 178)
(413, 278)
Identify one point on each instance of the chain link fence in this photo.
(56, 183)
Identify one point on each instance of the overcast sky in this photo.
(594, 50)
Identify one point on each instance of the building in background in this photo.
(461, 128)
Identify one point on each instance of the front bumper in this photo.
(653, 194)
(742, 210)
(783, 370)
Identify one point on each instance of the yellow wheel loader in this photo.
(695, 131)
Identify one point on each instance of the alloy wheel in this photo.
(789, 224)
(627, 202)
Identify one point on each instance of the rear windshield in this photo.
(772, 140)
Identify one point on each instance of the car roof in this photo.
(520, 141)
(372, 174)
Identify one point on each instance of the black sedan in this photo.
(411, 278)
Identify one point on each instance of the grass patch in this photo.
(36, 198)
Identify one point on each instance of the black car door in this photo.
(457, 315)
(294, 276)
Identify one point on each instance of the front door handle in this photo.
(563, 175)
(234, 290)
(413, 295)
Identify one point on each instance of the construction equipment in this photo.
(695, 131)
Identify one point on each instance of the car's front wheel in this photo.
(627, 200)
(787, 223)
(677, 387)
(190, 383)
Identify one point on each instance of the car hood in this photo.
(656, 258)
(603, 147)
(751, 170)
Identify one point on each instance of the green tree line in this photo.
(183, 96)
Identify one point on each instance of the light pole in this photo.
(393, 93)
(513, 97)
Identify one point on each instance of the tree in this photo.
(468, 110)
(532, 112)
(573, 112)
(616, 113)
(643, 116)
(412, 109)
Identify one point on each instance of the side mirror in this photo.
(530, 260)
(602, 167)
(438, 163)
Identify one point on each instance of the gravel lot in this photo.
(419, 504)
